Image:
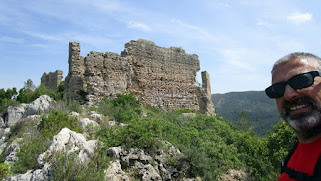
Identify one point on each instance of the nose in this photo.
(290, 93)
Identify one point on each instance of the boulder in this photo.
(42, 104)
(114, 152)
(4, 133)
(69, 142)
(96, 117)
(115, 173)
(12, 149)
(66, 140)
(14, 114)
(150, 167)
(74, 114)
(2, 123)
(233, 175)
(32, 175)
(84, 122)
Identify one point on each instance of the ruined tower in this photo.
(52, 79)
(161, 77)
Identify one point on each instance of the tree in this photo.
(29, 85)
(244, 122)
(280, 140)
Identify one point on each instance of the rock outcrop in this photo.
(65, 141)
(69, 141)
(161, 77)
(158, 167)
(16, 113)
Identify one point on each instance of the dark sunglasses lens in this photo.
(276, 90)
(301, 81)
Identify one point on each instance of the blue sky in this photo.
(237, 41)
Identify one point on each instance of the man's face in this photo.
(301, 109)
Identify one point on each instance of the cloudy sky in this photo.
(237, 41)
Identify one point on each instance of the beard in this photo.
(305, 125)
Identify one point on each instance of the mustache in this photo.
(299, 100)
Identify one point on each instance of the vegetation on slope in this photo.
(211, 145)
(260, 110)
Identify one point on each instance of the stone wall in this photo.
(161, 77)
(52, 79)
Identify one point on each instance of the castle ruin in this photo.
(161, 77)
(52, 79)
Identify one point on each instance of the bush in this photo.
(5, 170)
(29, 153)
(36, 143)
(143, 134)
(66, 166)
(123, 108)
(56, 120)
(279, 142)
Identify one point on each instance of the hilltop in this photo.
(261, 110)
(120, 138)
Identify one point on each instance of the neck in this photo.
(309, 140)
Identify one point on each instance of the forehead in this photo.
(285, 71)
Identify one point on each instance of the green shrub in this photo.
(56, 120)
(29, 153)
(143, 134)
(68, 167)
(123, 108)
(279, 142)
(5, 170)
(38, 142)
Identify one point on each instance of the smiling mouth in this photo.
(295, 108)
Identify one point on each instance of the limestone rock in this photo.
(115, 173)
(32, 175)
(11, 151)
(96, 117)
(84, 122)
(233, 175)
(14, 114)
(114, 152)
(41, 104)
(70, 141)
(151, 167)
(74, 114)
(2, 123)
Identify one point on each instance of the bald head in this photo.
(299, 55)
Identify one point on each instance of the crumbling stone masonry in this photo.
(161, 77)
(52, 79)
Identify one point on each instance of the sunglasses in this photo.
(299, 81)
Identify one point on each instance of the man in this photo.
(296, 87)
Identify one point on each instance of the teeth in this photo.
(294, 108)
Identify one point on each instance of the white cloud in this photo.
(11, 40)
(136, 25)
(299, 18)
(195, 31)
(238, 60)
(42, 36)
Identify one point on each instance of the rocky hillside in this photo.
(137, 162)
(255, 104)
(121, 139)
